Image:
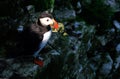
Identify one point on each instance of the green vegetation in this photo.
(97, 12)
(42, 5)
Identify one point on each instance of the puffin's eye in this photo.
(47, 20)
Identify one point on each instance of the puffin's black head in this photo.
(46, 19)
(45, 14)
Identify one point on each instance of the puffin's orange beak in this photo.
(55, 25)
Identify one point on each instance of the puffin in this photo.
(34, 37)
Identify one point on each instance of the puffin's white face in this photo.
(46, 21)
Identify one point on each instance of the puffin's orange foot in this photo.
(39, 62)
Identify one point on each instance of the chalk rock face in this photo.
(18, 68)
(107, 66)
(113, 3)
(65, 14)
(118, 48)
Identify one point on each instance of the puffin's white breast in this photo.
(46, 37)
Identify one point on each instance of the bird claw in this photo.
(39, 61)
